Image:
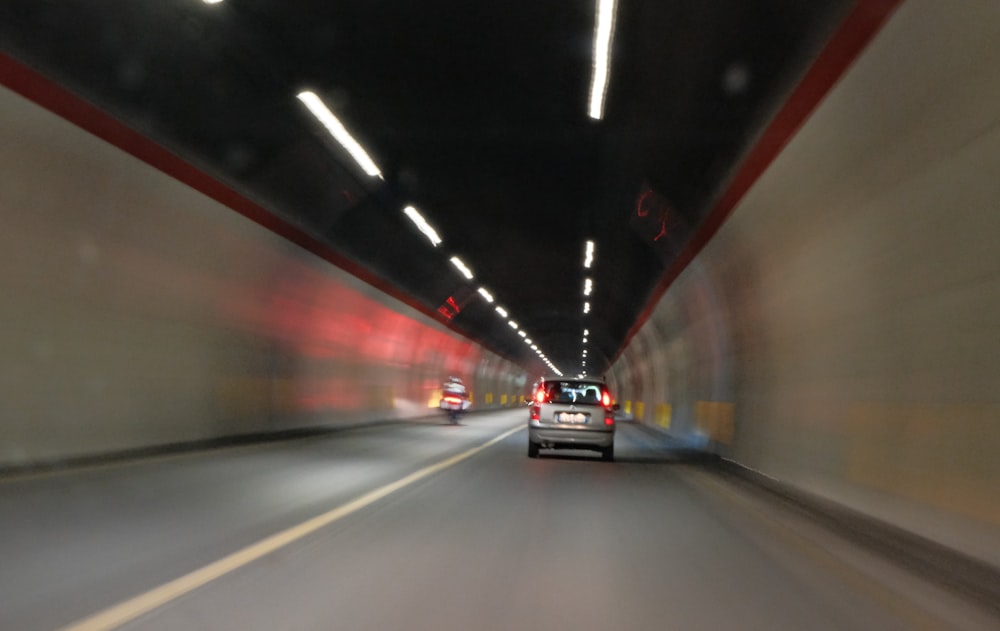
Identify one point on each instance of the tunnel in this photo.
(223, 360)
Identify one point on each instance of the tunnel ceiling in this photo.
(475, 113)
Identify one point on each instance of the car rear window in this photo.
(573, 392)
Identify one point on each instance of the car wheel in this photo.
(532, 449)
(608, 453)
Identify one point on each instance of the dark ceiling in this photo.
(475, 112)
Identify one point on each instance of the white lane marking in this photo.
(131, 609)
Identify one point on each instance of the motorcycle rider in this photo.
(454, 398)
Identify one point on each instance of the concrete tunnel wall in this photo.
(841, 331)
(138, 311)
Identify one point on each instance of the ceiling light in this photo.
(513, 325)
(586, 332)
(334, 126)
(586, 307)
(485, 294)
(522, 334)
(502, 312)
(528, 341)
(457, 262)
(422, 225)
(603, 30)
(588, 286)
(211, 1)
(588, 258)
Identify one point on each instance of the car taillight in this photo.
(540, 396)
(536, 413)
(453, 399)
(606, 399)
(609, 418)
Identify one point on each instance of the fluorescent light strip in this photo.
(588, 286)
(603, 31)
(334, 126)
(422, 225)
(513, 325)
(586, 307)
(589, 256)
(457, 262)
(485, 294)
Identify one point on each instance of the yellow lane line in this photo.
(131, 609)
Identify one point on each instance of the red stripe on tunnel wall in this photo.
(60, 101)
(851, 38)
(46, 93)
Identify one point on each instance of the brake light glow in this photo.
(453, 399)
(536, 413)
(609, 420)
(606, 399)
(540, 396)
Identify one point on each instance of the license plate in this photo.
(572, 417)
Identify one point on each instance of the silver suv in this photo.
(572, 414)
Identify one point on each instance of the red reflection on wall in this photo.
(642, 209)
(652, 205)
(663, 228)
(340, 346)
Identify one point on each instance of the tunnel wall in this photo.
(841, 331)
(137, 311)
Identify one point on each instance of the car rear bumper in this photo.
(567, 438)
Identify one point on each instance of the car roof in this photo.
(587, 380)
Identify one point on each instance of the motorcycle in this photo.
(454, 405)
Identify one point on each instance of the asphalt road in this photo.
(431, 526)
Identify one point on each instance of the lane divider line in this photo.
(133, 608)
